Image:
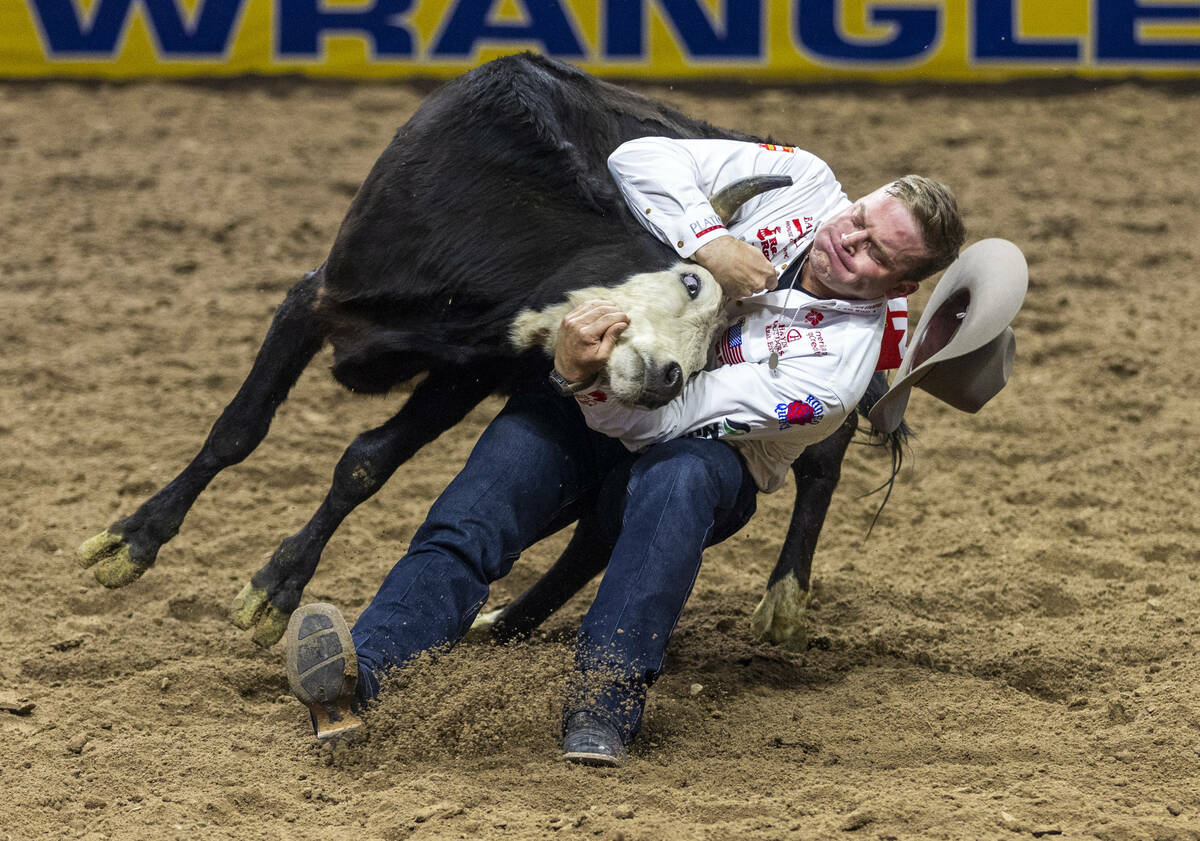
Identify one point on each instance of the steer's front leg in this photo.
(441, 400)
(121, 553)
(780, 616)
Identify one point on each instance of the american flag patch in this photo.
(730, 349)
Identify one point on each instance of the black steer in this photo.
(511, 157)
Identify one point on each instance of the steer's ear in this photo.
(532, 327)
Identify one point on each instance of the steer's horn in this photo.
(727, 201)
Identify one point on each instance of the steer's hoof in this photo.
(252, 609)
(481, 628)
(108, 556)
(322, 668)
(780, 616)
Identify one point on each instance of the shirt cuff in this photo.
(699, 224)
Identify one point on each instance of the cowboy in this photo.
(804, 263)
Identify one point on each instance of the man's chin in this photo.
(819, 274)
(830, 287)
(825, 285)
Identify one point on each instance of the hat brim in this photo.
(971, 307)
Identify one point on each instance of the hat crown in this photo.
(941, 327)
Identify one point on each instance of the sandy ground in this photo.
(1013, 653)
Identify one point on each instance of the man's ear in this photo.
(903, 289)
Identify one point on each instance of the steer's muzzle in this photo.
(661, 385)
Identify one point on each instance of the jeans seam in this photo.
(387, 619)
(392, 610)
(642, 565)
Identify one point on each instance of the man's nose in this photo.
(853, 239)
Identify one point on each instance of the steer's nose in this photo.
(672, 378)
(661, 385)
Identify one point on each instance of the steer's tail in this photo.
(895, 441)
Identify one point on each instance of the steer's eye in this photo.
(691, 283)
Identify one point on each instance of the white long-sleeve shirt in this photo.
(826, 349)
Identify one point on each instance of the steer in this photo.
(512, 157)
(674, 315)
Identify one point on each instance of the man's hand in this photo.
(586, 339)
(738, 266)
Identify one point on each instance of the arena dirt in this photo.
(1013, 653)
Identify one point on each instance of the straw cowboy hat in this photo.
(962, 350)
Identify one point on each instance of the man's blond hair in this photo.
(935, 210)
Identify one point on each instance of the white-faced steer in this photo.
(674, 315)
(514, 155)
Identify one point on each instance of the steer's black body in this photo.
(493, 198)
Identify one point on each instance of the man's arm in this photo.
(667, 184)
(747, 400)
(738, 266)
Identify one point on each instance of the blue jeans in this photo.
(536, 469)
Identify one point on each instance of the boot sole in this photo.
(598, 760)
(322, 668)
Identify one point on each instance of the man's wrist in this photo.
(573, 370)
(567, 387)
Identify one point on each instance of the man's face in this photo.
(864, 251)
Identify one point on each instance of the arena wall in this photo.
(793, 40)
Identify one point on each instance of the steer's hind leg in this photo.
(127, 548)
(779, 617)
(439, 402)
(585, 557)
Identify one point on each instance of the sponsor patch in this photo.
(810, 410)
(768, 241)
(814, 318)
(771, 147)
(777, 340)
(895, 329)
(707, 225)
(591, 398)
(709, 430)
(798, 228)
(856, 307)
(732, 427)
(781, 334)
(817, 342)
(722, 429)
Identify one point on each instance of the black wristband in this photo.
(565, 387)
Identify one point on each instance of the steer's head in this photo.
(674, 316)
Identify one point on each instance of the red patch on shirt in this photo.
(891, 350)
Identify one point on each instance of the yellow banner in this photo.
(764, 40)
